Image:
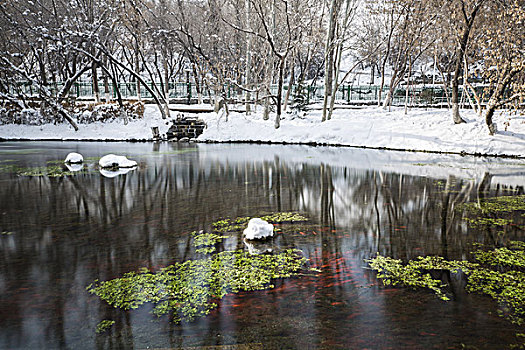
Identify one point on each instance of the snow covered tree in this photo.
(504, 59)
(462, 14)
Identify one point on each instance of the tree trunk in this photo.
(491, 108)
(408, 85)
(94, 79)
(335, 85)
(137, 69)
(280, 92)
(455, 97)
(460, 53)
(290, 85)
(248, 57)
(329, 57)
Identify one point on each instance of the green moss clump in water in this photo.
(416, 273)
(489, 212)
(104, 325)
(284, 217)
(496, 273)
(476, 222)
(227, 225)
(49, 171)
(205, 242)
(496, 205)
(240, 223)
(187, 290)
(512, 257)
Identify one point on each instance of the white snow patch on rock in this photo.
(74, 166)
(114, 173)
(113, 161)
(257, 248)
(74, 157)
(258, 229)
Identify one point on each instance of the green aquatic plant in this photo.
(104, 325)
(205, 242)
(496, 205)
(416, 273)
(240, 223)
(493, 212)
(188, 290)
(496, 272)
(511, 257)
(49, 171)
(227, 225)
(480, 221)
(284, 217)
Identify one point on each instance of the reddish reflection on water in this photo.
(66, 232)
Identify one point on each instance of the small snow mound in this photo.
(114, 173)
(113, 161)
(74, 167)
(257, 248)
(74, 157)
(258, 229)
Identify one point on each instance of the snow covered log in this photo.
(74, 157)
(113, 161)
(258, 229)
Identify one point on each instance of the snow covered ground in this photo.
(420, 130)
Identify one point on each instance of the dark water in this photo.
(60, 234)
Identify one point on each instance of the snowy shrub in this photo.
(109, 111)
(28, 116)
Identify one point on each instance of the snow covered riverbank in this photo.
(421, 130)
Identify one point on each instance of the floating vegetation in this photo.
(476, 222)
(493, 211)
(240, 223)
(104, 325)
(227, 225)
(205, 242)
(19, 151)
(49, 171)
(496, 205)
(284, 217)
(8, 168)
(416, 273)
(497, 273)
(188, 290)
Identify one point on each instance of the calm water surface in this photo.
(60, 234)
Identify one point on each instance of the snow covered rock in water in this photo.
(114, 173)
(74, 166)
(258, 229)
(257, 248)
(74, 158)
(113, 161)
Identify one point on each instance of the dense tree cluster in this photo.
(254, 44)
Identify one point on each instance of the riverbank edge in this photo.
(256, 142)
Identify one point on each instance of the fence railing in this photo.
(351, 94)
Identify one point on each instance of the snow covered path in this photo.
(420, 130)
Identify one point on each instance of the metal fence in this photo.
(187, 91)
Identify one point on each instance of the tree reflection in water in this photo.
(68, 231)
